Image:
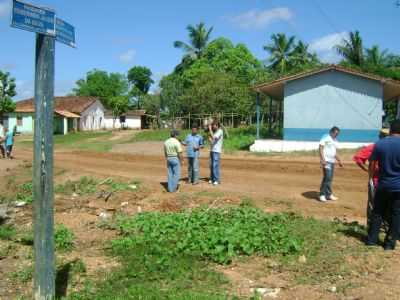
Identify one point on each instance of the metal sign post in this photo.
(48, 28)
(44, 279)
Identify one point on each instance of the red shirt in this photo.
(363, 155)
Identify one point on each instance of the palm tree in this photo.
(352, 49)
(301, 56)
(199, 37)
(281, 51)
(376, 57)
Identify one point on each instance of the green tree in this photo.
(140, 79)
(118, 105)
(302, 56)
(103, 85)
(153, 105)
(7, 92)
(351, 49)
(375, 57)
(281, 52)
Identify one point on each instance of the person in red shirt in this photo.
(361, 158)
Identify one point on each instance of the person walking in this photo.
(386, 155)
(216, 138)
(193, 142)
(361, 158)
(173, 155)
(9, 142)
(328, 155)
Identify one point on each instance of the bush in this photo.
(7, 232)
(63, 238)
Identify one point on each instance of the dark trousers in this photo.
(385, 200)
(9, 150)
(2, 150)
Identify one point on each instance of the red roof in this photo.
(73, 104)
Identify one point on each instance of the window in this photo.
(19, 121)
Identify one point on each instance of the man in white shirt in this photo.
(328, 155)
(216, 139)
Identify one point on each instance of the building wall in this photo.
(92, 118)
(314, 104)
(27, 122)
(132, 122)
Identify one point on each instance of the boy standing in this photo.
(327, 151)
(193, 142)
(216, 139)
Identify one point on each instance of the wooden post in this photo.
(44, 275)
(258, 115)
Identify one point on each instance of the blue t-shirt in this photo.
(193, 142)
(9, 139)
(387, 153)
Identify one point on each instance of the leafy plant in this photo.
(63, 238)
(85, 185)
(23, 275)
(25, 192)
(217, 234)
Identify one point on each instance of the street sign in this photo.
(33, 18)
(65, 33)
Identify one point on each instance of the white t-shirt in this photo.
(218, 139)
(2, 134)
(330, 146)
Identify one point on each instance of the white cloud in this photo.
(127, 56)
(325, 46)
(8, 67)
(5, 8)
(26, 88)
(259, 19)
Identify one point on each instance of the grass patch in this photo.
(25, 192)
(7, 232)
(23, 275)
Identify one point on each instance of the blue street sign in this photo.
(33, 18)
(65, 33)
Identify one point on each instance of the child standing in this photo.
(9, 142)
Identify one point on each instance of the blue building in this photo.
(315, 101)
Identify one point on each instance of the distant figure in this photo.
(2, 140)
(173, 155)
(216, 138)
(9, 142)
(327, 151)
(193, 142)
(361, 158)
(386, 155)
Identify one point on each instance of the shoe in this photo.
(322, 198)
(215, 183)
(332, 198)
(210, 181)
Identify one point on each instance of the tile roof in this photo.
(73, 104)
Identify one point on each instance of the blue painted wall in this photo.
(27, 122)
(314, 104)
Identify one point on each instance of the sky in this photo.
(117, 35)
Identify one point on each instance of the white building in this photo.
(134, 119)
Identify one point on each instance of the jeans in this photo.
(193, 169)
(215, 161)
(326, 184)
(174, 173)
(385, 200)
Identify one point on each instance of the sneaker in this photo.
(210, 181)
(333, 198)
(215, 183)
(322, 198)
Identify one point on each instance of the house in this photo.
(134, 119)
(71, 113)
(314, 101)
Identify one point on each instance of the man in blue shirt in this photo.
(386, 155)
(9, 142)
(193, 142)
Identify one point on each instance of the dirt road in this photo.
(273, 182)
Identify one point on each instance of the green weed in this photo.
(84, 186)
(25, 192)
(23, 275)
(63, 238)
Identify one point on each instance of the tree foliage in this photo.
(103, 85)
(7, 92)
(140, 78)
(118, 105)
(351, 49)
